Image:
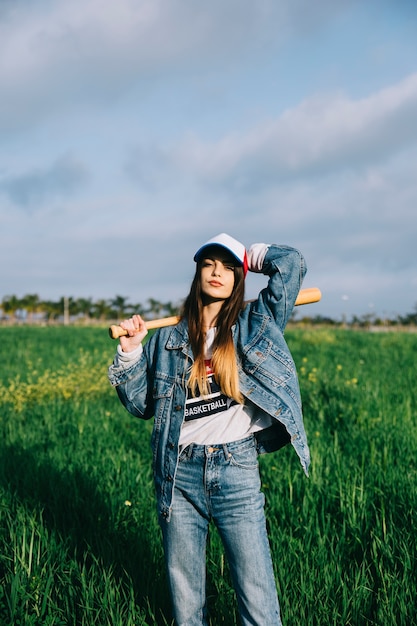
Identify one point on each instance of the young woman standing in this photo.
(222, 388)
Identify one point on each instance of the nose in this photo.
(216, 268)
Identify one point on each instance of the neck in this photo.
(210, 313)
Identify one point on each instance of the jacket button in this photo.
(178, 407)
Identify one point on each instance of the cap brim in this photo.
(200, 252)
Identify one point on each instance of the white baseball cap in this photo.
(236, 249)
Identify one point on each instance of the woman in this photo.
(222, 388)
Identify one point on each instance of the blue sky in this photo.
(132, 132)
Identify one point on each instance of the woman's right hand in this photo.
(137, 331)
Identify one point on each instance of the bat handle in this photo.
(117, 331)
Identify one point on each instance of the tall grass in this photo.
(79, 540)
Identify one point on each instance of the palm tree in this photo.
(10, 304)
(172, 309)
(84, 306)
(155, 307)
(101, 310)
(52, 309)
(120, 305)
(31, 303)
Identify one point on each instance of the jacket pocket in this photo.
(162, 386)
(267, 363)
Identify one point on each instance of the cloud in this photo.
(30, 190)
(93, 48)
(323, 134)
(54, 52)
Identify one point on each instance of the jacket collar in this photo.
(178, 337)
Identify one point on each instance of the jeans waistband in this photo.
(195, 450)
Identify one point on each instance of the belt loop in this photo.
(187, 451)
(226, 452)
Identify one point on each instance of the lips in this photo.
(214, 283)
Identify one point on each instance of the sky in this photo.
(133, 131)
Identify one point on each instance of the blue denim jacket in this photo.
(155, 385)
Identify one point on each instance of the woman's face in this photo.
(217, 275)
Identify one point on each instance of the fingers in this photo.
(136, 332)
(134, 325)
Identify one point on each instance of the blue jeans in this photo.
(222, 483)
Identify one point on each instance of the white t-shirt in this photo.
(215, 418)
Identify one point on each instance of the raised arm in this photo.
(286, 268)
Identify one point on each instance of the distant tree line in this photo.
(367, 320)
(32, 309)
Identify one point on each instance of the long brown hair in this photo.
(224, 360)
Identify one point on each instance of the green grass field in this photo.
(79, 540)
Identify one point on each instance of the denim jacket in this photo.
(155, 385)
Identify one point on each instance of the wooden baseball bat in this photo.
(305, 296)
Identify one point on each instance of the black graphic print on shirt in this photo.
(215, 402)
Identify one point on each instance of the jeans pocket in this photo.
(246, 458)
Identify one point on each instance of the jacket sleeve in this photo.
(286, 268)
(132, 383)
